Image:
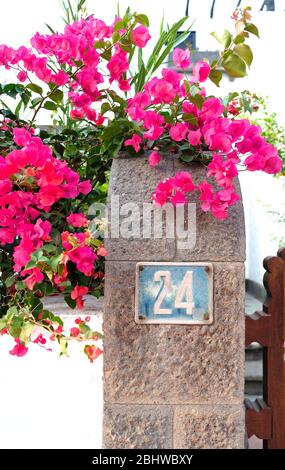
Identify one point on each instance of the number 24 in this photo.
(184, 290)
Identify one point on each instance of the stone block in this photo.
(208, 427)
(174, 363)
(137, 427)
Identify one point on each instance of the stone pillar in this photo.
(173, 385)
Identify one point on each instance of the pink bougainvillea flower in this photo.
(206, 195)
(40, 339)
(84, 187)
(34, 276)
(183, 181)
(77, 294)
(77, 114)
(134, 142)
(118, 65)
(19, 349)
(74, 331)
(201, 71)
(77, 220)
(22, 76)
(92, 352)
(153, 122)
(124, 84)
(212, 107)
(22, 137)
(178, 198)
(194, 137)
(178, 132)
(162, 91)
(102, 251)
(181, 58)
(154, 159)
(140, 36)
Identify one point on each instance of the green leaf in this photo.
(70, 150)
(63, 347)
(54, 262)
(234, 65)
(197, 100)
(240, 38)
(18, 108)
(16, 326)
(50, 106)
(142, 19)
(116, 37)
(56, 96)
(70, 302)
(35, 102)
(187, 157)
(11, 312)
(26, 331)
(224, 39)
(188, 117)
(10, 281)
(251, 28)
(105, 108)
(26, 98)
(216, 76)
(99, 45)
(21, 285)
(119, 25)
(49, 248)
(245, 52)
(35, 88)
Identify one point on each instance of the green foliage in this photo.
(272, 130)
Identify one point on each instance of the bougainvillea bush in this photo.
(95, 81)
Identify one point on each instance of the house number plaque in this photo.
(174, 293)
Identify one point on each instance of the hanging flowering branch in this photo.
(85, 76)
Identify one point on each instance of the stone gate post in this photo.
(169, 384)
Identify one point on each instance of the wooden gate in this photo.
(265, 417)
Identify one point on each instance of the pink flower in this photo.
(84, 187)
(140, 36)
(183, 181)
(181, 58)
(77, 294)
(137, 105)
(19, 349)
(201, 71)
(60, 78)
(92, 352)
(40, 339)
(22, 76)
(178, 198)
(178, 132)
(206, 195)
(74, 331)
(154, 159)
(221, 142)
(22, 137)
(77, 114)
(124, 85)
(194, 137)
(163, 91)
(77, 220)
(134, 142)
(118, 65)
(102, 251)
(153, 122)
(212, 107)
(35, 276)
